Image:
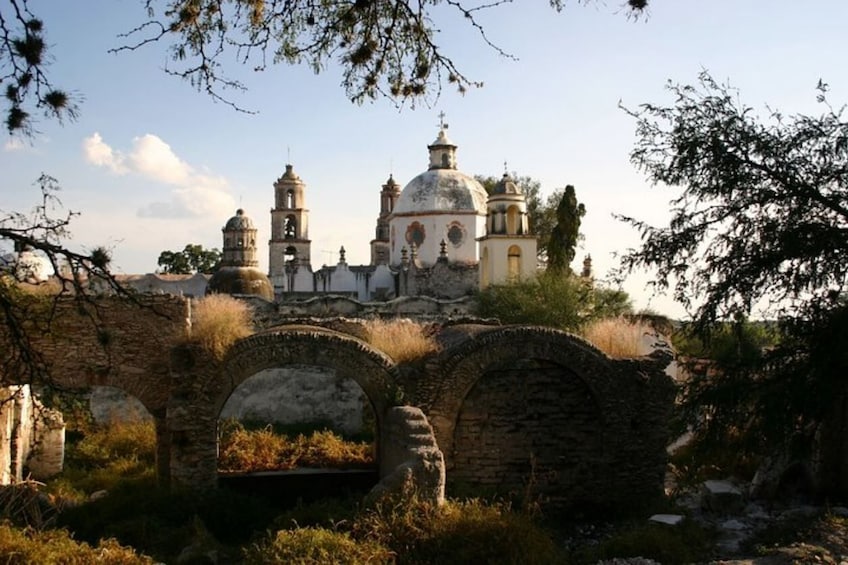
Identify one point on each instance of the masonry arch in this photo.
(282, 346)
(521, 405)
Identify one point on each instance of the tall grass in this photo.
(218, 321)
(401, 339)
(54, 547)
(618, 337)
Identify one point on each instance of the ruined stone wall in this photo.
(541, 414)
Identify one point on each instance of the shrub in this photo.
(456, 532)
(618, 337)
(555, 300)
(218, 321)
(316, 546)
(24, 546)
(402, 340)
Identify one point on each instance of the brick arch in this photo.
(349, 356)
(462, 365)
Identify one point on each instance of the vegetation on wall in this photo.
(218, 321)
(402, 340)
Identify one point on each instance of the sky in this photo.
(151, 164)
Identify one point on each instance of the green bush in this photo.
(25, 546)
(318, 546)
(555, 300)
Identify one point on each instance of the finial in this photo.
(413, 251)
(442, 124)
(443, 250)
(342, 254)
(288, 154)
(506, 169)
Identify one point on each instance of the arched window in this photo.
(290, 230)
(290, 199)
(514, 262)
(513, 219)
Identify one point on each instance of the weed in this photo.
(402, 340)
(618, 337)
(218, 321)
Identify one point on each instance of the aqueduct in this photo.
(508, 406)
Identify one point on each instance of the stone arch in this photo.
(513, 220)
(462, 365)
(349, 356)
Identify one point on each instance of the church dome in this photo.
(506, 186)
(442, 190)
(239, 222)
(241, 280)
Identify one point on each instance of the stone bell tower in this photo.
(508, 250)
(381, 242)
(289, 226)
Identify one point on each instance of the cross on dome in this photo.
(442, 124)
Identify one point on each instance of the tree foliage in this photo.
(554, 300)
(762, 215)
(760, 222)
(566, 233)
(384, 47)
(192, 259)
(24, 70)
(541, 213)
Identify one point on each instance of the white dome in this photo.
(442, 190)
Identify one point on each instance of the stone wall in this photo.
(527, 411)
(539, 413)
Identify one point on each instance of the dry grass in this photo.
(218, 321)
(402, 340)
(263, 450)
(619, 338)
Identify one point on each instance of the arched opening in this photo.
(527, 428)
(513, 220)
(290, 228)
(109, 437)
(290, 199)
(514, 262)
(298, 432)
(306, 374)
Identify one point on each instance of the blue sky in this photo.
(151, 164)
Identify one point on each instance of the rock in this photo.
(840, 511)
(667, 519)
(721, 497)
(98, 494)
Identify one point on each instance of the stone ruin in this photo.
(507, 409)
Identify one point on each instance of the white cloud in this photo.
(194, 194)
(100, 154)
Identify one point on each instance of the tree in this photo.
(192, 259)
(563, 242)
(27, 308)
(385, 47)
(541, 214)
(761, 221)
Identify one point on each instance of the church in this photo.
(441, 236)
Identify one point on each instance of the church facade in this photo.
(441, 236)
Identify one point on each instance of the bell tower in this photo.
(508, 250)
(289, 225)
(380, 244)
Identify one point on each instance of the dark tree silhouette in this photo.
(565, 235)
